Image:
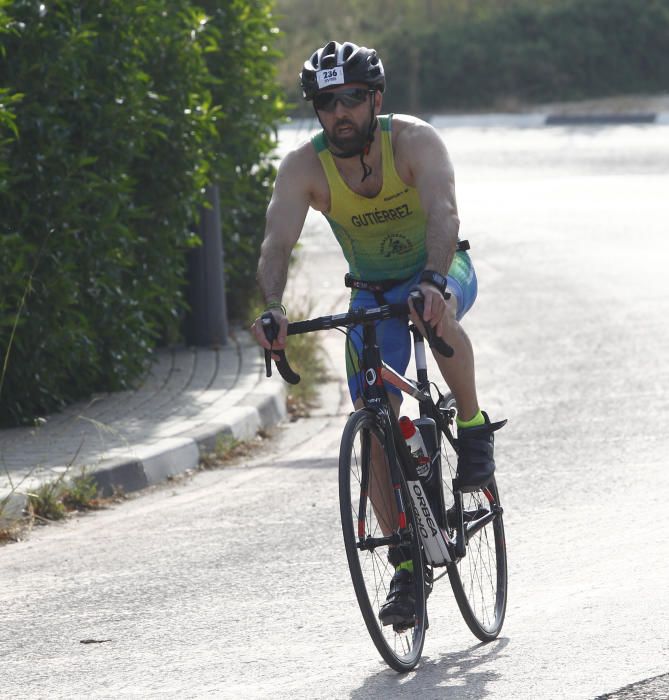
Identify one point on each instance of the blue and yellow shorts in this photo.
(392, 335)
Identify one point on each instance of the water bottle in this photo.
(432, 474)
(416, 445)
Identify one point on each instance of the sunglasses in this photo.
(349, 97)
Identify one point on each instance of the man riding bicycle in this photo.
(386, 186)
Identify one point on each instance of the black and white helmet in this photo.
(336, 64)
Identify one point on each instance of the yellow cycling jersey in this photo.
(382, 237)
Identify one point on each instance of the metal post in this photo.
(207, 322)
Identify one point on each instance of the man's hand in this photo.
(435, 310)
(258, 330)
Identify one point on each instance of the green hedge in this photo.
(124, 120)
(532, 52)
(244, 66)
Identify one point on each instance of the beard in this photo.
(353, 141)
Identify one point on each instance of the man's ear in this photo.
(378, 102)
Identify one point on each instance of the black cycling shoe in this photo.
(399, 609)
(476, 463)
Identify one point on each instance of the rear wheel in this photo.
(370, 525)
(479, 579)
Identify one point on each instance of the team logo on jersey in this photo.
(395, 244)
(396, 195)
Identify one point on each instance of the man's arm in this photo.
(286, 213)
(432, 174)
(434, 179)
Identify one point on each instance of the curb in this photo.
(535, 120)
(141, 465)
(587, 119)
(153, 464)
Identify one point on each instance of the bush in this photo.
(246, 88)
(118, 136)
(532, 52)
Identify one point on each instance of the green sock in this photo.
(478, 419)
(408, 565)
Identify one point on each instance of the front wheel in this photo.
(371, 525)
(479, 579)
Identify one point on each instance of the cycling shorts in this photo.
(392, 335)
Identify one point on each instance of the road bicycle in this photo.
(385, 504)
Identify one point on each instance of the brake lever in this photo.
(271, 328)
(439, 344)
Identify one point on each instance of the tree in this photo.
(102, 178)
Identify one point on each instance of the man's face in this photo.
(345, 113)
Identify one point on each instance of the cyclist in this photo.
(386, 186)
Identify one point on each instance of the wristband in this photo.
(276, 305)
(435, 279)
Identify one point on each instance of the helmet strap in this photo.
(373, 123)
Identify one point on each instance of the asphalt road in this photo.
(234, 583)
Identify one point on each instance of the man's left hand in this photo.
(435, 310)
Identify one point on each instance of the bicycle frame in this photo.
(440, 548)
(419, 390)
(437, 544)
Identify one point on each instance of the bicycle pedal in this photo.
(404, 625)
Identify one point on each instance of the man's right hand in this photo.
(258, 329)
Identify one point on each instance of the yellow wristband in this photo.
(276, 305)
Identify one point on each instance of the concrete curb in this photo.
(254, 403)
(264, 407)
(539, 119)
(588, 119)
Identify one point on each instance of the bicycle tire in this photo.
(479, 580)
(370, 570)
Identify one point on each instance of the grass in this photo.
(228, 449)
(227, 446)
(306, 356)
(53, 501)
(12, 531)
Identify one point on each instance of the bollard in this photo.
(206, 324)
